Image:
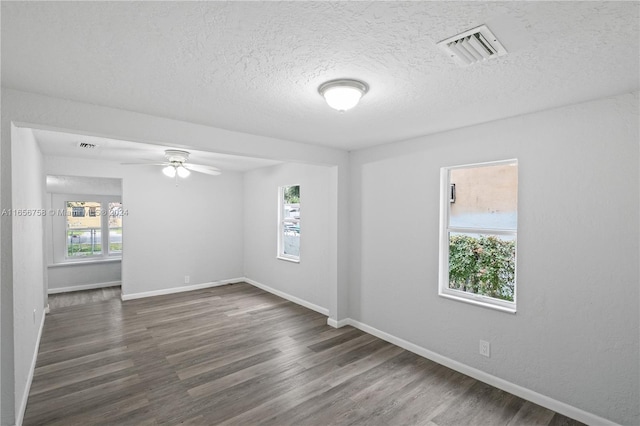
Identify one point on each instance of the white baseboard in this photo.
(27, 389)
(338, 324)
(294, 299)
(181, 289)
(83, 287)
(529, 395)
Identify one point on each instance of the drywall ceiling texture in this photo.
(255, 67)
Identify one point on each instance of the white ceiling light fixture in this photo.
(343, 94)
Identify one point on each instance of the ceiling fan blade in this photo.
(209, 170)
(144, 164)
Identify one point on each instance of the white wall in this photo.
(309, 280)
(171, 231)
(575, 335)
(29, 279)
(71, 277)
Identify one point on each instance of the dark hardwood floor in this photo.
(237, 355)
(61, 300)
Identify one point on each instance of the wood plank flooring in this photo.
(236, 355)
(61, 300)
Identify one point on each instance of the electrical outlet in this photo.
(485, 348)
(186, 279)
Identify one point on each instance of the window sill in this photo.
(289, 259)
(477, 302)
(85, 262)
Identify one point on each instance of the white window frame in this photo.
(445, 229)
(281, 216)
(61, 230)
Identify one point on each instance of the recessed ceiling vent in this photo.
(470, 47)
(86, 145)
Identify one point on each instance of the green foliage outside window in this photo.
(292, 194)
(83, 243)
(482, 265)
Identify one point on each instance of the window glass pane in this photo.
(115, 227)
(484, 197)
(83, 229)
(483, 264)
(291, 221)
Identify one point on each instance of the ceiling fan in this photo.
(176, 165)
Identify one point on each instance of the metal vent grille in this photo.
(475, 45)
(86, 145)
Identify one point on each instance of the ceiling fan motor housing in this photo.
(176, 156)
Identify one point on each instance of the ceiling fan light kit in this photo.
(176, 170)
(343, 94)
(176, 165)
(182, 172)
(169, 171)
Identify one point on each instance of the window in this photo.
(115, 228)
(478, 234)
(289, 223)
(87, 222)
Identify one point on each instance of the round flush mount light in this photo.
(343, 94)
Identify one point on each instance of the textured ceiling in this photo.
(255, 66)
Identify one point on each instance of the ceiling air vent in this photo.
(86, 145)
(476, 45)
